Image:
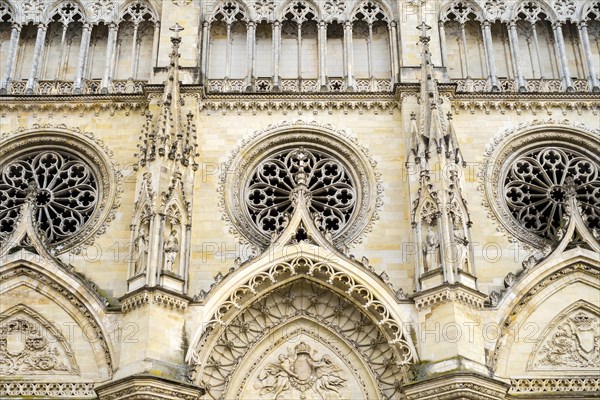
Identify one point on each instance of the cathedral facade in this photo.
(299, 199)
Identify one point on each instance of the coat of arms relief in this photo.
(300, 373)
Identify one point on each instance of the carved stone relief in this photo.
(301, 369)
(308, 300)
(572, 343)
(30, 346)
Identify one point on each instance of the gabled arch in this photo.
(301, 254)
(66, 11)
(527, 294)
(287, 6)
(462, 15)
(27, 322)
(369, 15)
(540, 6)
(139, 11)
(73, 295)
(7, 12)
(230, 11)
(591, 7)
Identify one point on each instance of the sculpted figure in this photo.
(431, 250)
(171, 249)
(462, 249)
(140, 250)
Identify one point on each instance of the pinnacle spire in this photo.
(170, 137)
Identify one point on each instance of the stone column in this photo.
(394, 52)
(228, 53)
(250, 48)
(299, 55)
(110, 51)
(463, 37)
(443, 48)
(589, 58)
(370, 54)
(134, 47)
(204, 56)
(562, 56)
(489, 53)
(155, 43)
(349, 55)
(514, 47)
(82, 61)
(323, 55)
(11, 56)
(37, 55)
(276, 37)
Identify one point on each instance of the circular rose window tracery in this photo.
(63, 188)
(260, 178)
(539, 183)
(64, 179)
(534, 172)
(330, 185)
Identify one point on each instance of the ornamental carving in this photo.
(573, 343)
(61, 186)
(301, 370)
(67, 179)
(539, 182)
(258, 181)
(301, 298)
(27, 347)
(269, 191)
(533, 170)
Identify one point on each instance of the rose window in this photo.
(538, 184)
(332, 190)
(61, 188)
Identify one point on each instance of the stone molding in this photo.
(153, 296)
(450, 293)
(456, 386)
(60, 390)
(146, 387)
(560, 386)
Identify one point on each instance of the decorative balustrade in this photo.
(52, 88)
(510, 85)
(265, 85)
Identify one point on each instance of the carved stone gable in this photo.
(572, 343)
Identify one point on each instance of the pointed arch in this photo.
(76, 298)
(7, 12)
(57, 354)
(471, 8)
(287, 6)
(67, 10)
(538, 6)
(369, 14)
(230, 11)
(145, 11)
(571, 341)
(300, 255)
(533, 297)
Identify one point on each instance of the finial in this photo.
(423, 27)
(176, 28)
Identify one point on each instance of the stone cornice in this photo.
(147, 387)
(449, 293)
(457, 386)
(159, 296)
